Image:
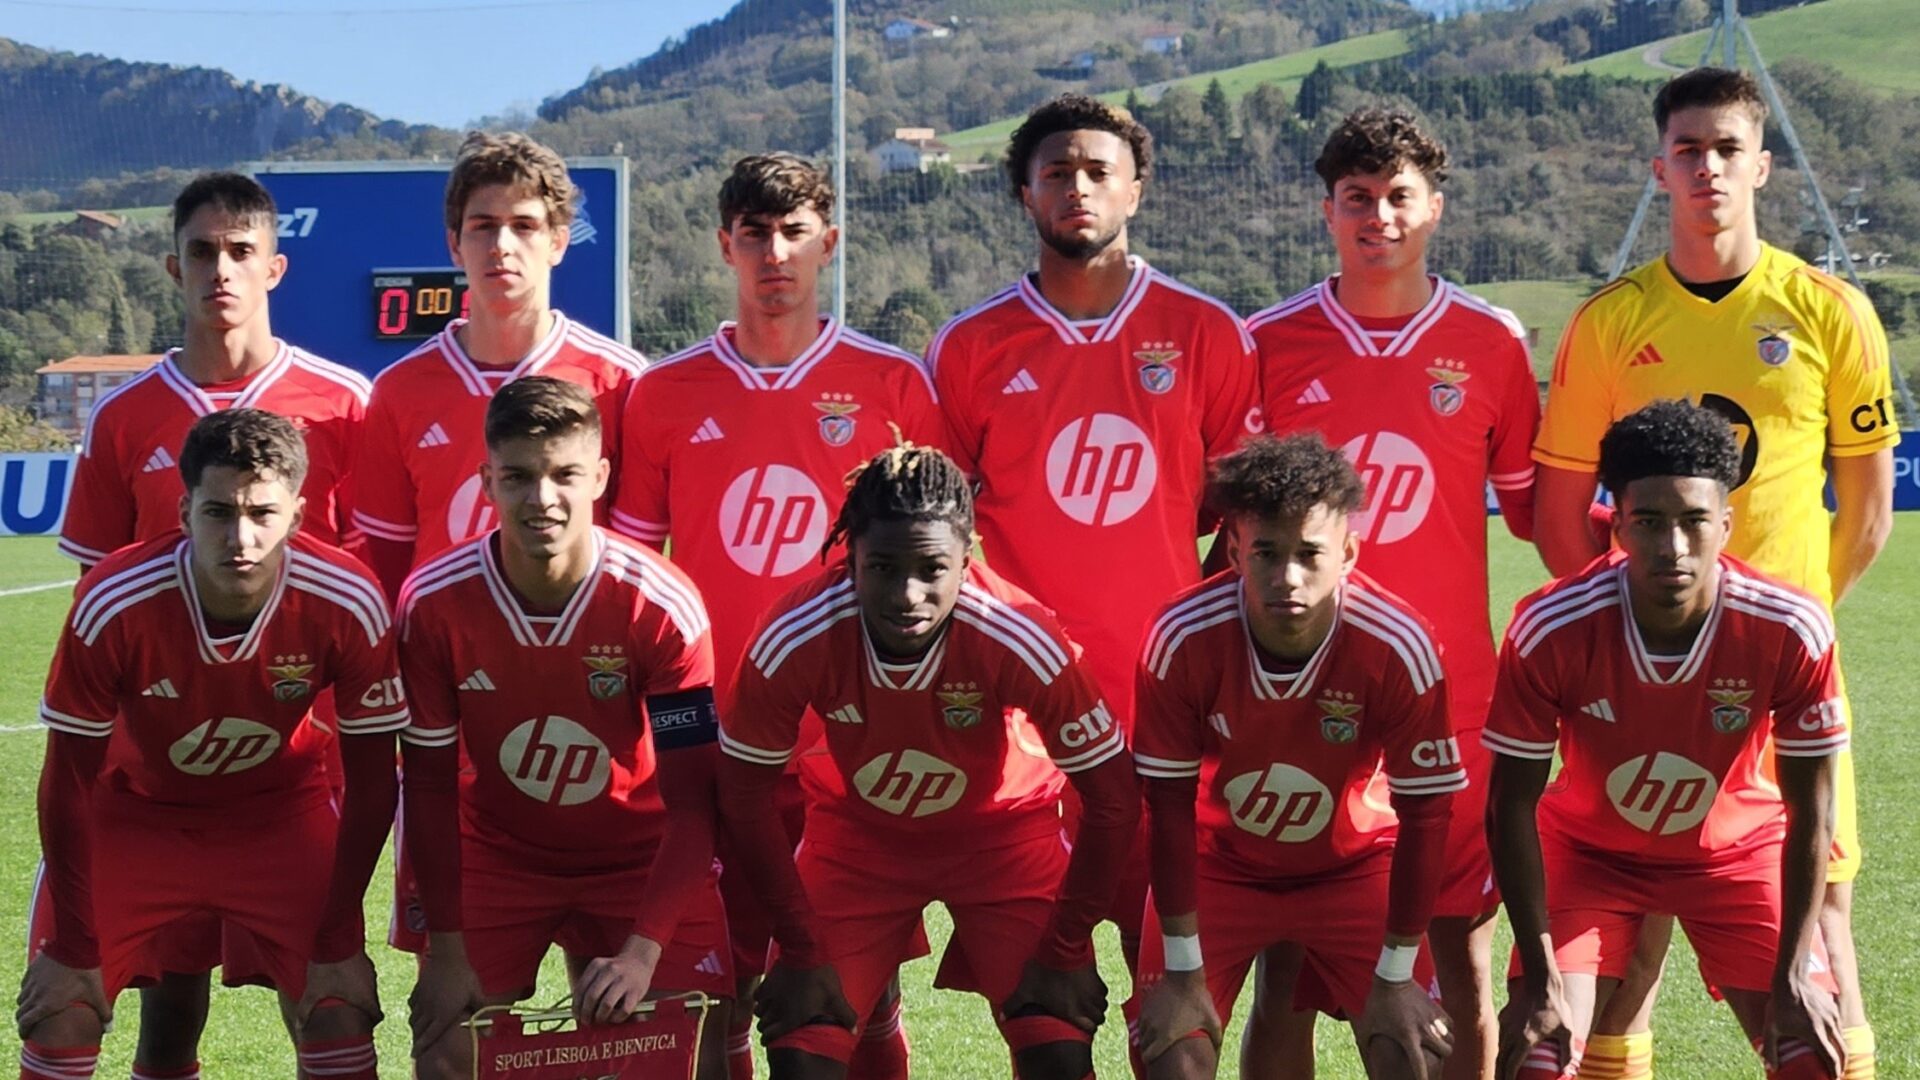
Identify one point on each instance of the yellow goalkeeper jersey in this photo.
(1794, 358)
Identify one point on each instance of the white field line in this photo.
(42, 587)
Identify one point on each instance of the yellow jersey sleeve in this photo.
(1580, 396)
(1860, 407)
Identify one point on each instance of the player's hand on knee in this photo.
(790, 998)
(1402, 1013)
(1176, 1008)
(612, 987)
(1797, 1009)
(1533, 1018)
(447, 993)
(50, 987)
(350, 982)
(1075, 995)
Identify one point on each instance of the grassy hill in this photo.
(987, 140)
(1873, 41)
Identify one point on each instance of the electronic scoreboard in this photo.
(368, 273)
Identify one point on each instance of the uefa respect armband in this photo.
(683, 719)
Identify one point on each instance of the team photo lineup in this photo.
(718, 669)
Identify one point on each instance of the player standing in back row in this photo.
(1429, 391)
(1797, 362)
(1087, 398)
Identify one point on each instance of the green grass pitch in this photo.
(951, 1035)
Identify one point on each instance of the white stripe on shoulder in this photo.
(361, 386)
(1413, 647)
(428, 348)
(1011, 292)
(114, 594)
(864, 343)
(1292, 305)
(100, 407)
(801, 625)
(1543, 616)
(457, 563)
(703, 347)
(1014, 628)
(1807, 617)
(371, 617)
(644, 569)
(1505, 318)
(1377, 608)
(1187, 618)
(1232, 316)
(585, 337)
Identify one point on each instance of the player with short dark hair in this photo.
(952, 704)
(1430, 391)
(735, 451)
(201, 656)
(1279, 695)
(1087, 398)
(1661, 675)
(1796, 360)
(572, 674)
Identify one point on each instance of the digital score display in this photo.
(414, 305)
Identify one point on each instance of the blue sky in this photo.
(423, 61)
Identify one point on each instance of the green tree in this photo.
(1316, 92)
(20, 432)
(1219, 111)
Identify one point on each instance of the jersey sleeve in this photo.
(1168, 739)
(1860, 406)
(920, 417)
(1420, 754)
(1580, 396)
(83, 684)
(672, 641)
(761, 712)
(382, 496)
(640, 506)
(1510, 453)
(1809, 710)
(1074, 722)
(952, 377)
(367, 687)
(100, 504)
(1231, 372)
(1524, 720)
(427, 673)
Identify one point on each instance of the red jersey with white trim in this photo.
(419, 482)
(1295, 767)
(549, 711)
(127, 484)
(963, 747)
(1429, 409)
(212, 723)
(1094, 437)
(1664, 757)
(745, 468)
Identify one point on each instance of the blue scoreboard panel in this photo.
(368, 273)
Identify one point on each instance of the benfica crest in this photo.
(836, 421)
(1731, 714)
(962, 707)
(1156, 366)
(1339, 723)
(1773, 346)
(290, 678)
(1446, 396)
(606, 672)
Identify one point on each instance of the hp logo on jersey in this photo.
(223, 746)
(1280, 803)
(1663, 793)
(773, 519)
(556, 761)
(908, 783)
(1400, 485)
(1101, 469)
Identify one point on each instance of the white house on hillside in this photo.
(912, 149)
(907, 29)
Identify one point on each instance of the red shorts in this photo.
(168, 899)
(1001, 901)
(1339, 923)
(511, 914)
(1467, 888)
(1729, 910)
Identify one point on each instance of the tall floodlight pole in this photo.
(840, 155)
(1730, 29)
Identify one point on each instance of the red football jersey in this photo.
(1664, 757)
(127, 486)
(1093, 437)
(745, 467)
(942, 750)
(418, 481)
(1429, 409)
(216, 727)
(1291, 763)
(549, 711)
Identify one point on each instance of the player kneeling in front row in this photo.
(206, 652)
(1278, 695)
(1660, 676)
(576, 671)
(945, 691)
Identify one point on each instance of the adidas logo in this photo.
(158, 460)
(847, 714)
(1647, 357)
(477, 681)
(1600, 710)
(435, 436)
(1219, 722)
(710, 965)
(163, 689)
(1021, 383)
(1314, 394)
(707, 432)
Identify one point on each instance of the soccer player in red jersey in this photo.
(243, 620)
(1087, 399)
(508, 207)
(1283, 695)
(1430, 392)
(1660, 676)
(952, 704)
(575, 671)
(737, 450)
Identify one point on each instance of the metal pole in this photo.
(1729, 46)
(840, 155)
(1621, 256)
